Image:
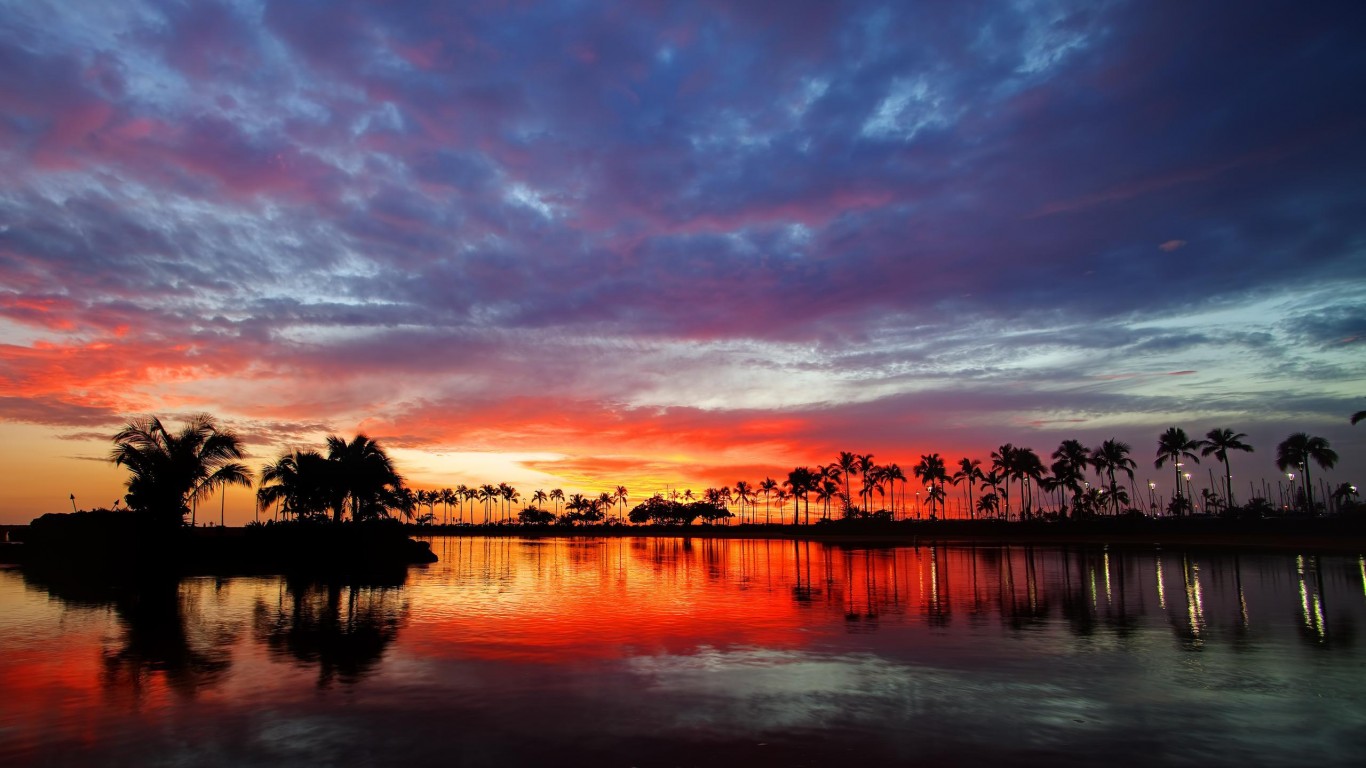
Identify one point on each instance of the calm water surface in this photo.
(702, 652)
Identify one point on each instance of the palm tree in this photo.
(1113, 456)
(768, 486)
(801, 481)
(366, 474)
(170, 471)
(1344, 494)
(300, 481)
(970, 472)
(1029, 469)
(539, 497)
(621, 496)
(557, 496)
(744, 494)
(781, 496)
(487, 494)
(1069, 467)
(988, 504)
(1219, 442)
(1003, 463)
(867, 468)
(1173, 445)
(991, 479)
(892, 473)
(848, 464)
(447, 499)
(1297, 451)
(931, 469)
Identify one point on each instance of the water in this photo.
(702, 652)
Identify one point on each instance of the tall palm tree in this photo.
(848, 464)
(1297, 451)
(621, 496)
(768, 486)
(1173, 446)
(1109, 457)
(1003, 462)
(970, 472)
(931, 469)
(447, 499)
(800, 482)
(988, 504)
(366, 473)
(557, 496)
(1219, 442)
(299, 481)
(171, 470)
(1070, 462)
(1029, 470)
(867, 468)
(539, 497)
(992, 479)
(893, 473)
(744, 494)
(781, 496)
(487, 494)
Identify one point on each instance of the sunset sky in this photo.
(584, 244)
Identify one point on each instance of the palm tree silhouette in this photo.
(1219, 442)
(539, 497)
(848, 464)
(621, 496)
(1113, 456)
(744, 494)
(1297, 451)
(1029, 470)
(768, 486)
(170, 471)
(366, 473)
(970, 472)
(893, 473)
(1003, 463)
(1357, 417)
(931, 469)
(866, 467)
(557, 496)
(300, 482)
(1070, 461)
(1173, 445)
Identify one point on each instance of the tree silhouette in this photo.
(1357, 417)
(970, 472)
(1219, 442)
(300, 482)
(1070, 461)
(848, 464)
(1110, 457)
(1003, 463)
(1297, 451)
(1173, 446)
(171, 470)
(367, 476)
(931, 469)
(768, 486)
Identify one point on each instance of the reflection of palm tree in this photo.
(172, 470)
(1297, 451)
(1173, 446)
(343, 629)
(1219, 442)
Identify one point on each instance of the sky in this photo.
(655, 244)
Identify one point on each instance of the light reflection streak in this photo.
(1108, 596)
(1195, 607)
(1161, 588)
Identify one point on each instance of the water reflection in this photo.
(645, 651)
(165, 638)
(342, 629)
